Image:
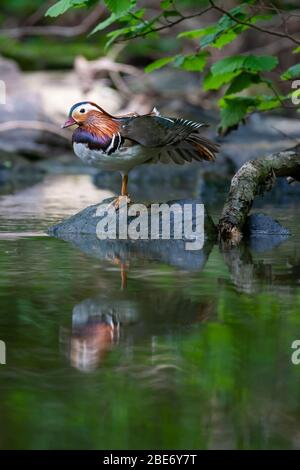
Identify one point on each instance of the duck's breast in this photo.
(124, 159)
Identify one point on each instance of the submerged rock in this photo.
(264, 233)
(261, 225)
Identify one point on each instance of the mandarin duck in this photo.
(119, 143)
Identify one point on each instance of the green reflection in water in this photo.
(176, 359)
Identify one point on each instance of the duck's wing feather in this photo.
(177, 140)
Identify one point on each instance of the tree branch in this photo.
(254, 26)
(254, 178)
(167, 26)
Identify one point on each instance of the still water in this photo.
(113, 353)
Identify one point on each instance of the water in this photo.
(106, 354)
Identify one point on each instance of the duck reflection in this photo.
(96, 326)
(128, 317)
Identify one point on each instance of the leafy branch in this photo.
(243, 78)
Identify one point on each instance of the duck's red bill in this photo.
(68, 123)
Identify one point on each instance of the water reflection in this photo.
(101, 323)
(124, 319)
(96, 328)
(195, 345)
(249, 275)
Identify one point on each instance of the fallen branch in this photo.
(253, 179)
(88, 70)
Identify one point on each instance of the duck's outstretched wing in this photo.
(177, 140)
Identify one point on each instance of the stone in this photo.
(264, 233)
(81, 231)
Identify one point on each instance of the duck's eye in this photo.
(82, 110)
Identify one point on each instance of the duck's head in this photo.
(80, 113)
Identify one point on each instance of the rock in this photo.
(81, 230)
(260, 136)
(17, 172)
(86, 221)
(264, 233)
(261, 225)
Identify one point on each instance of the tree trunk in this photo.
(253, 179)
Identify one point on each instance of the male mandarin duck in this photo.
(119, 143)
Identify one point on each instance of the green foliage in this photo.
(244, 75)
(233, 110)
(158, 64)
(191, 62)
(226, 29)
(249, 63)
(242, 81)
(291, 73)
(64, 5)
(119, 7)
(31, 55)
(214, 82)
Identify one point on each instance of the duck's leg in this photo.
(124, 198)
(124, 191)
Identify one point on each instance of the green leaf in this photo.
(249, 63)
(62, 6)
(193, 62)
(165, 4)
(170, 13)
(233, 110)
(296, 50)
(118, 7)
(268, 102)
(158, 64)
(291, 73)
(197, 33)
(114, 16)
(224, 39)
(214, 82)
(242, 81)
(111, 19)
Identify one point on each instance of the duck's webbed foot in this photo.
(119, 202)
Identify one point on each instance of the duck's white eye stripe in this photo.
(85, 107)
